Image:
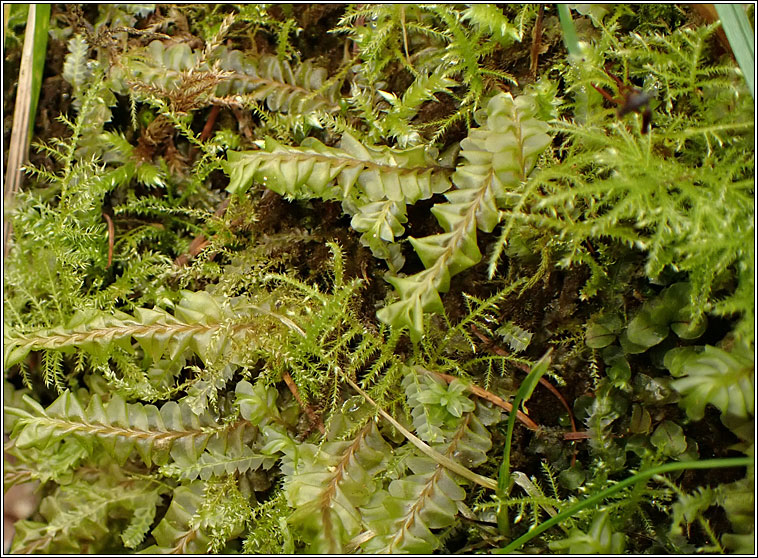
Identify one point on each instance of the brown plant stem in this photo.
(490, 344)
(303, 405)
(489, 396)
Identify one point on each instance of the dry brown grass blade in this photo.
(314, 418)
(443, 460)
(19, 146)
(489, 396)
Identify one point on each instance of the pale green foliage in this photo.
(315, 170)
(403, 516)
(689, 507)
(222, 457)
(300, 90)
(268, 532)
(120, 428)
(492, 19)
(385, 33)
(197, 324)
(122, 153)
(499, 156)
(65, 238)
(738, 500)
(716, 377)
(440, 46)
(231, 75)
(600, 539)
(86, 514)
(396, 123)
(90, 96)
(75, 67)
(517, 338)
(374, 184)
(327, 484)
(175, 532)
(435, 406)
(641, 190)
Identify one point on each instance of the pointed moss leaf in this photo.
(487, 215)
(216, 462)
(175, 529)
(431, 248)
(257, 403)
(402, 517)
(372, 172)
(600, 539)
(150, 175)
(383, 220)
(119, 427)
(75, 68)
(241, 171)
(326, 485)
(420, 296)
(298, 90)
(14, 354)
(352, 146)
(198, 307)
(66, 406)
(140, 523)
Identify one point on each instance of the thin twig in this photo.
(536, 42)
(111, 238)
(489, 396)
(208, 128)
(307, 408)
(443, 460)
(490, 344)
(199, 243)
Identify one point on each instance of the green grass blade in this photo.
(569, 30)
(42, 24)
(600, 496)
(523, 394)
(741, 38)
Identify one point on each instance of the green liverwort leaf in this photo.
(602, 331)
(669, 439)
(646, 329)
